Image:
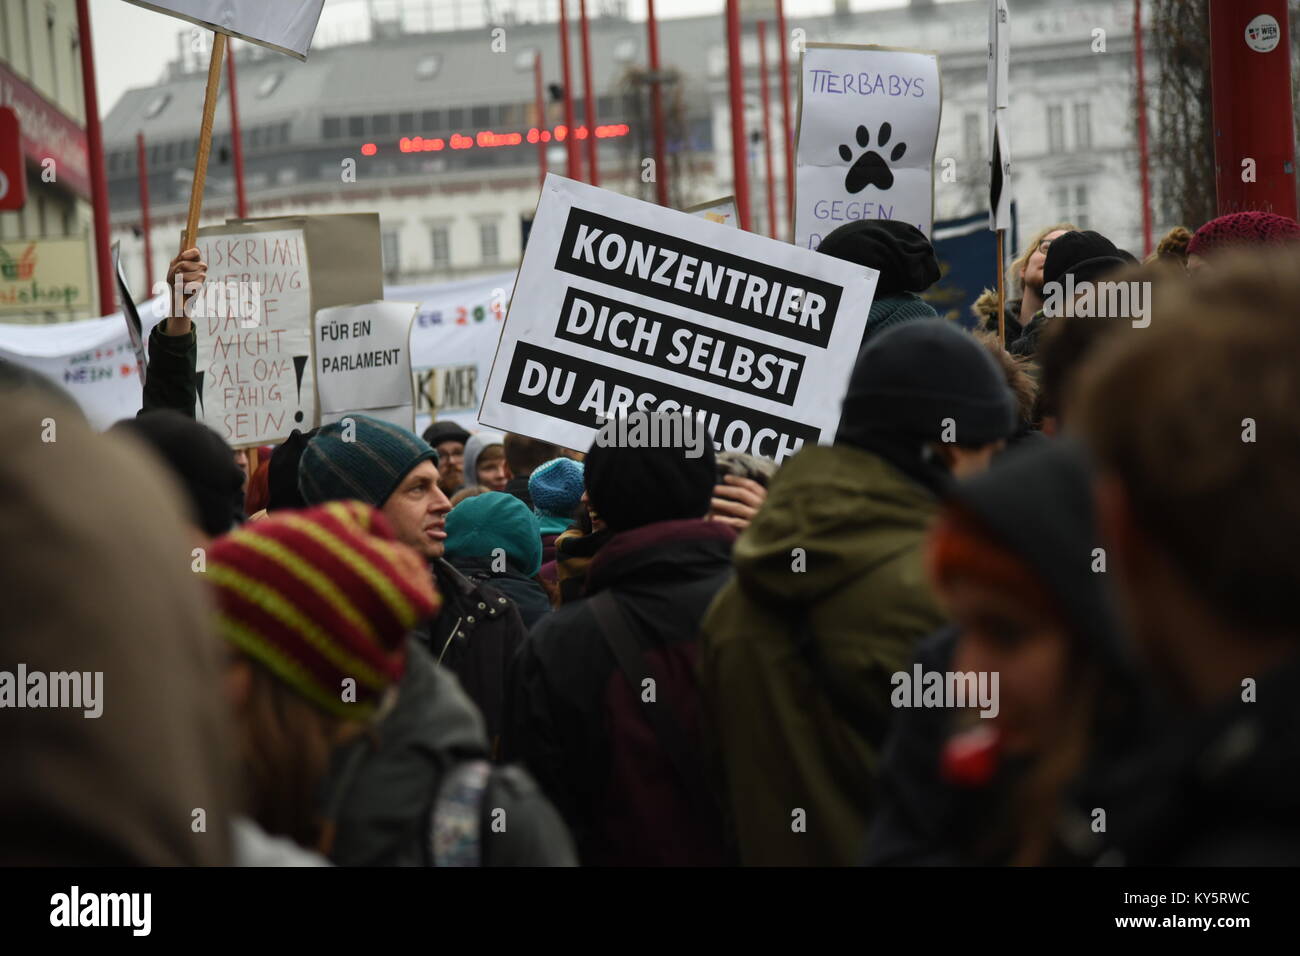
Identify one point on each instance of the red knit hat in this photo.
(320, 596)
(1243, 228)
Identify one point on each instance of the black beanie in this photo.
(632, 487)
(898, 251)
(282, 472)
(1086, 255)
(200, 459)
(439, 432)
(910, 378)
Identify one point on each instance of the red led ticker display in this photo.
(487, 139)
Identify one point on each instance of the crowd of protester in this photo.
(364, 646)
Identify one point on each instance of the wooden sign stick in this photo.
(205, 140)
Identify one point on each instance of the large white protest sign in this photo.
(283, 25)
(622, 304)
(868, 127)
(363, 361)
(256, 382)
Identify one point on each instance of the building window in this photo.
(356, 126)
(971, 134)
(1082, 125)
(332, 128)
(1056, 129)
(381, 124)
(440, 239)
(489, 242)
(391, 253)
(431, 121)
(406, 123)
(1071, 202)
(480, 117)
(455, 119)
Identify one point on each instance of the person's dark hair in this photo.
(523, 454)
(1197, 417)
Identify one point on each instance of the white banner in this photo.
(868, 128)
(283, 25)
(363, 361)
(625, 304)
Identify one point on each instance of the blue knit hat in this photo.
(478, 526)
(556, 487)
(368, 468)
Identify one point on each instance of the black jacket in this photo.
(169, 380)
(475, 636)
(382, 787)
(526, 594)
(1026, 343)
(577, 724)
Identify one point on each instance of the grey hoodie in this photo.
(475, 447)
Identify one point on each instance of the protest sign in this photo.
(363, 361)
(286, 26)
(134, 328)
(722, 211)
(622, 304)
(266, 279)
(868, 127)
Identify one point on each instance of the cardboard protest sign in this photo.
(722, 211)
(622, 304)
(284, 25)
(363, 361)
(133, 325)
(868, 127)
(266, 279)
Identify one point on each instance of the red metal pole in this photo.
(736, 81)
(788, 131)
(593, 166)
(573, 168)
(236, 136)
(541, 123)
(1144, 155)
(143, 170)
(95, 147)
(1254, 123)
(767, 127)
(657, 108)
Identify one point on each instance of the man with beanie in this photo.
(829, 596)
(448, 440)
(354, 743)
(605, 707)
(1249, 229)
(1074, 259)
(493, 537)
(394, 470)
(555, 489)
(200, 460)
(905, 260)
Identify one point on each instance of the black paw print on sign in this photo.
(871, 168)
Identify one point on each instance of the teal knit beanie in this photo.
(478, 526)
(888, 311)
(369, 467)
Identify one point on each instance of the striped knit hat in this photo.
(359, 457)
(320, 596)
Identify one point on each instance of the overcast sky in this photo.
(133, 45)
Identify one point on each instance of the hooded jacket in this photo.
(475, 447)
(382, 785)
(834, 554)
(577, 724)
(170, 380)
(497, 525)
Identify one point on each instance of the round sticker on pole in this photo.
(1263, 34)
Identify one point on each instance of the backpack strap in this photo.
(456, 821)
(617, 631)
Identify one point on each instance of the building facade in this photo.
(437, 131)
(46, 261)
